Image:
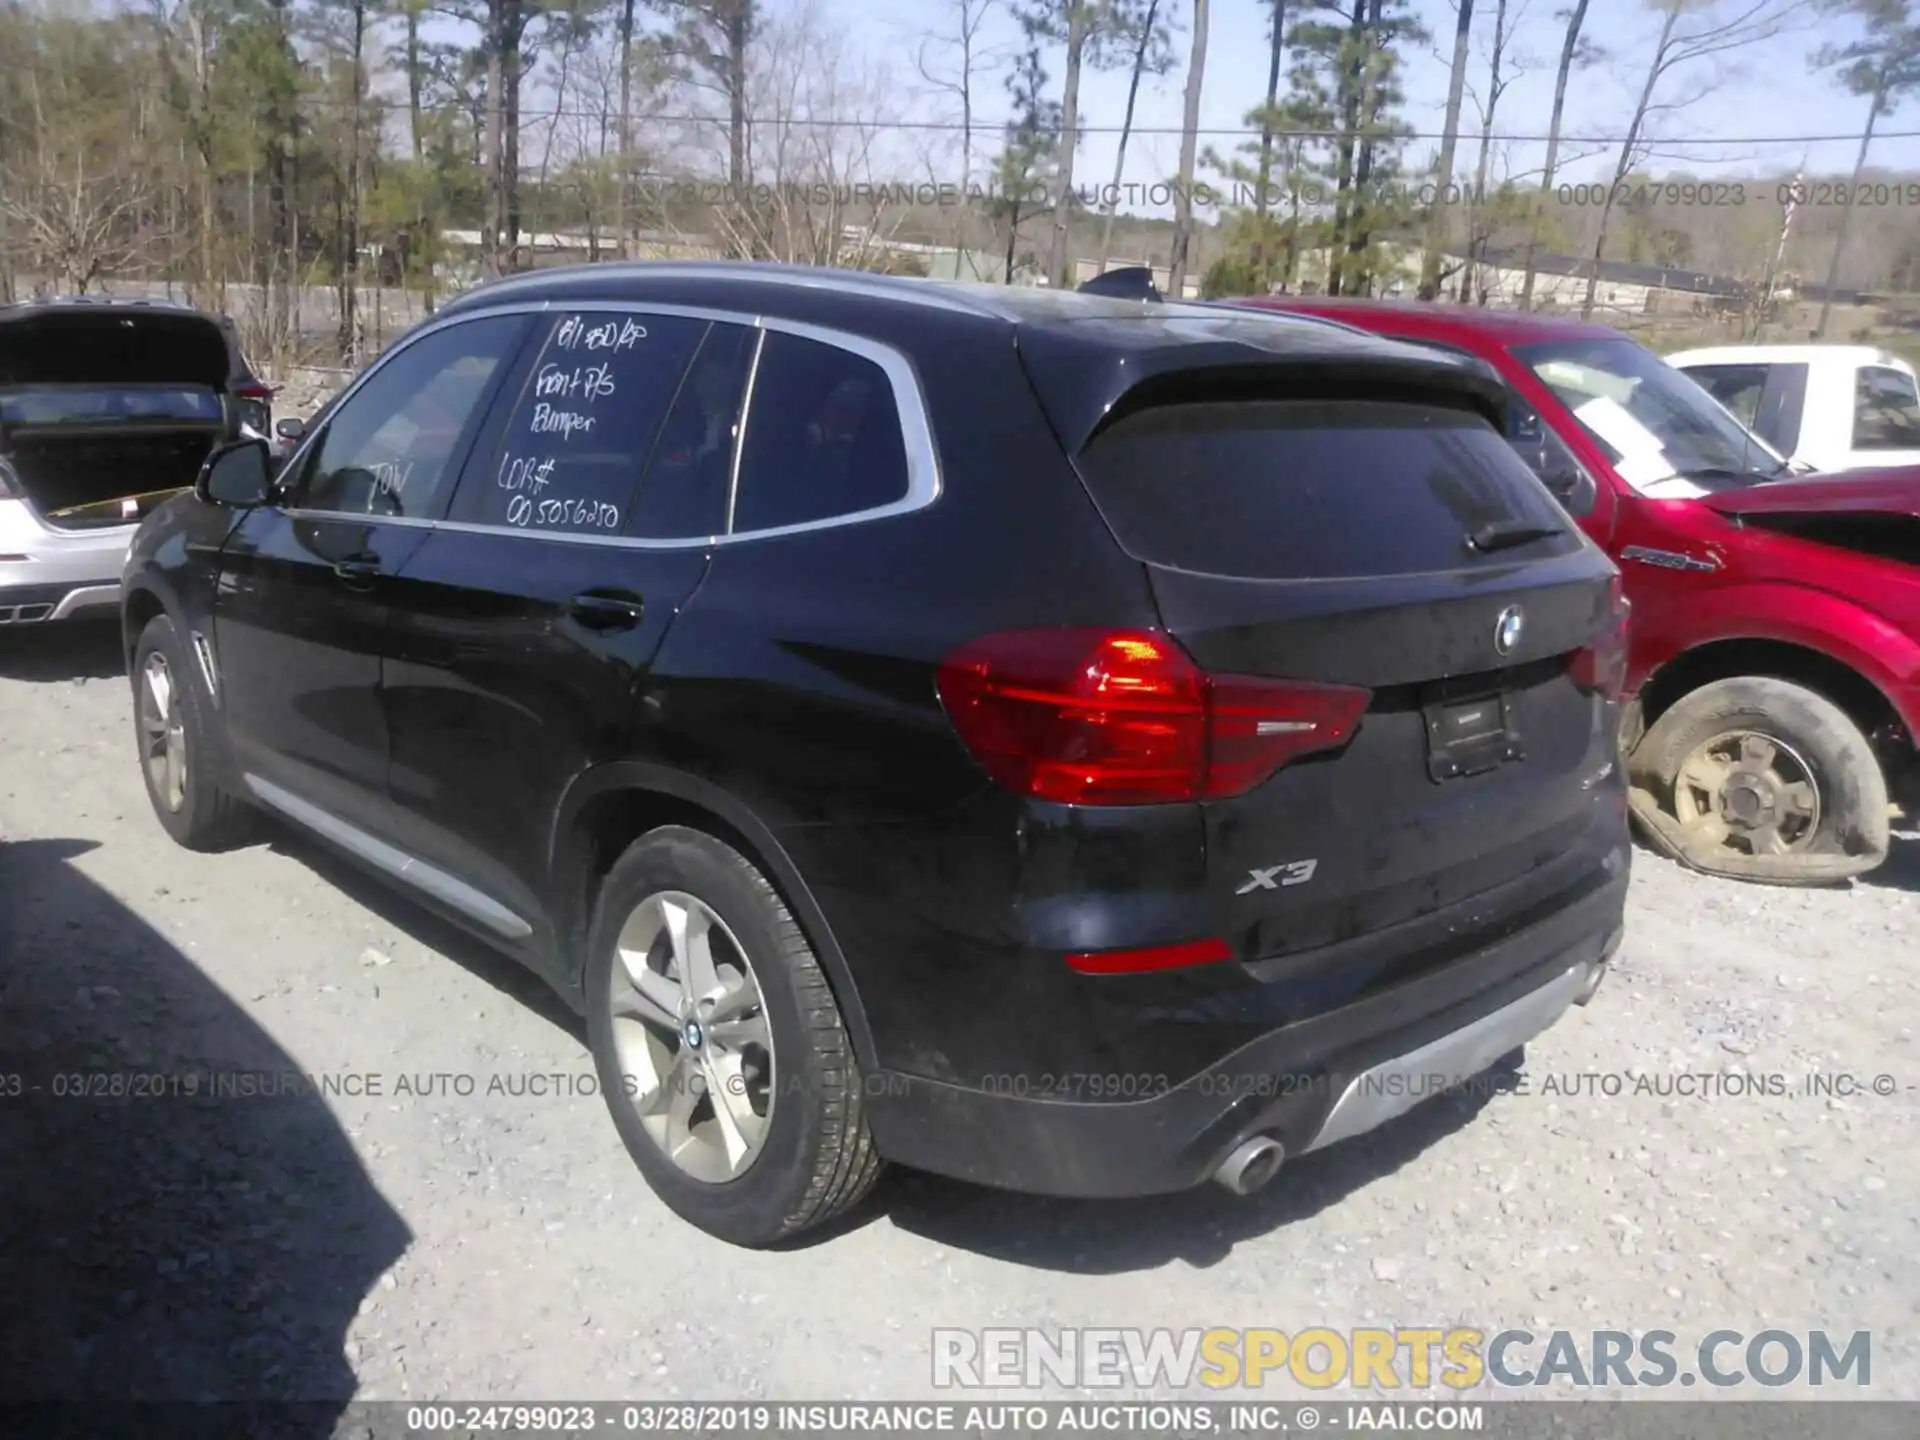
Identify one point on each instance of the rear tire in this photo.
(182, 759)
(1761, 771)
(721, 1051)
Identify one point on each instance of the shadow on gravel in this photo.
(69, 650)
(157, 1244)
(1902, 869)
(417, 922)
(1195, 1227)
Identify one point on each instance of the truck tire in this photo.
(1759, 778)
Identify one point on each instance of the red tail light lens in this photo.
(1125, 717)
(254, 390)
(1601, 668)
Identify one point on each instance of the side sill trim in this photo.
(397, 863)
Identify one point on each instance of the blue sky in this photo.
(1769, 90)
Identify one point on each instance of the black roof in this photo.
(1097, 349)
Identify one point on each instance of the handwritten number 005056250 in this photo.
(573, 514)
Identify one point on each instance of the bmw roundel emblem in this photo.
(1507, 629)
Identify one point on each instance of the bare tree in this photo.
(1707, 36)
(1076, 24)
(75, 220)
(1149, 38)
(955, 60)
(1443, 169)
(1883, 65)
(819, 118)
(713, 38)
(1269, 117)
(1498, 79)
(1189, 145)
(1569, 55)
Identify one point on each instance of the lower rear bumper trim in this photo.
(1393, 1087)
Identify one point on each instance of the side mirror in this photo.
(291, 428)
(239, 474)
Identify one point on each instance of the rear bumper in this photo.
(48, 574)
(1307, 1085)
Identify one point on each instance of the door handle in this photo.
(607, 609)
(358, 572)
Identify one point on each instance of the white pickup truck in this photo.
(1825, 407)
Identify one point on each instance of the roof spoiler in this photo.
(1133, 283)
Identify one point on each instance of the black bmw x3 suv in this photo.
(1074, 745)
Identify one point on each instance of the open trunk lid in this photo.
(108, 408)
(1359, 521)
(110, 343)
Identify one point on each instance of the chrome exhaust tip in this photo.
(1252, 1164)
(1591, 984)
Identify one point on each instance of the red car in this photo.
(1774, 682)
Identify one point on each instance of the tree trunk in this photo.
(512, 60)
(1567, 50)
(1189, 144)
(1625, 162)
(1846, 211)
(493, 165)
(1276, 47)
(737, 37)
(1078, 13)
(1449, 139)
(1349, 95)
(625, 188)
(416, 123)
(1360, 217)
(350, 221)
(1126, 130)
(1476, 237)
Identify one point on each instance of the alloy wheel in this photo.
(162, 733)
(691, 1030)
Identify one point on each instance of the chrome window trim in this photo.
(925, 483)
(740, 427)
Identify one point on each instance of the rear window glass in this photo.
(1313, 490)
(105, 404)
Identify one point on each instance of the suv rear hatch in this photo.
(106, 409)
(1316, 506)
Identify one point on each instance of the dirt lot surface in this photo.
(498, 1244)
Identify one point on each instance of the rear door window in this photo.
(823, 437)
(1886, 409)
(1316, 490)
(684, 492)
(583, 424)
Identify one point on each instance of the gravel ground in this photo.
(424, 1243)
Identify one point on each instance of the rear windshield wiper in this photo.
(1504, 534)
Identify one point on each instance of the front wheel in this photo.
(1762, 779)
(720, 1049)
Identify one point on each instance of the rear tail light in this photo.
(1601, 668)
(254, 390)
(1125, 717)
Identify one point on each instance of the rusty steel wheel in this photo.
(1748, 791)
